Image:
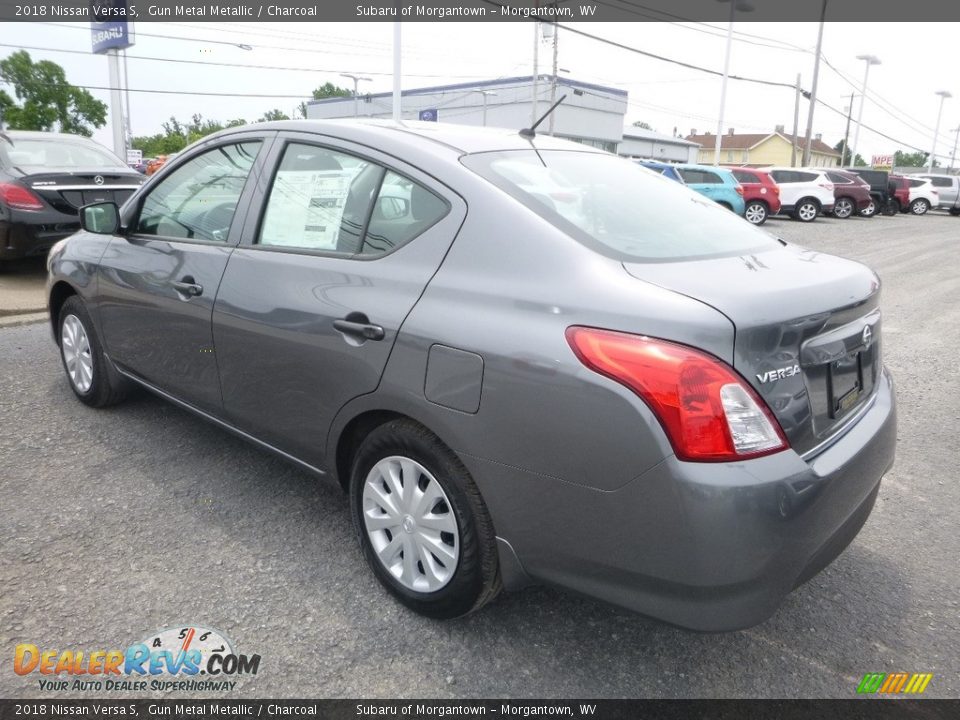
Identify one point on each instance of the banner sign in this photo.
(110, 30)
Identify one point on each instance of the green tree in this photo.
(177, 135)
(845, 161)
(270, 115)
(46, 100)
(914, 159)
(329, 90)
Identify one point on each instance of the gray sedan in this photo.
(604, 382)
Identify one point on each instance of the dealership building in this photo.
(591, 114)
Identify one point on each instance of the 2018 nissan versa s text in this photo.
(605, 382)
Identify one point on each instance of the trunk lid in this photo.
(807, 330)
(69, 190)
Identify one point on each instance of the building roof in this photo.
(462, 87)
(748, 141)
(632, 132)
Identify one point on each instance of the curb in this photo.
(24, 319)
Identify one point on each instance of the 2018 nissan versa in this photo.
(647, 399)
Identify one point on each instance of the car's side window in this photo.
(403, 210)
(197, 201)
(745, 177)
(941, 181)
(690, 176)
(806, 177)
(783, 176)
(326, 200)
(839, 179)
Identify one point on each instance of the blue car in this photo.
(716, 183)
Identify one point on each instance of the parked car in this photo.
(948, 189)
(716, 183)
(657, 405)
(900, 194)
(923, 195)
(665, 169)
(158, 162)
(880, 191)
(851, 194)
(761, 195)
(804, 192)
(44, 179)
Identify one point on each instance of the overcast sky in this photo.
(666, 96)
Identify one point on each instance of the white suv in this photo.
(804, 192)
(923, 195)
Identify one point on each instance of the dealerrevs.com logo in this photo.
(188, 658)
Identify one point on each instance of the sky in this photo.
(901, 99)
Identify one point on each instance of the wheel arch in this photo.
(59, 294)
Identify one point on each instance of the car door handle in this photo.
(359, 329)
(188, 286)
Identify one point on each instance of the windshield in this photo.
(42, 153)
(618, 208)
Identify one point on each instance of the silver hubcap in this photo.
(807, 212)
(870, 209)
(755, 213)
(411, 524)
(843, 209)
(75, 346)
(919, 208)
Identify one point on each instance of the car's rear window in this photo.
(619, 208)
(42, 153)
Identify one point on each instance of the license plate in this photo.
(845, 383)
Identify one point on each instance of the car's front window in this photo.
(45, 153)
(620, 210)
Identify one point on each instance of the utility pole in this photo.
(796, 126)
(356, 95)
(846, 134)
(536, 61)
(553, 83)
(396, 72)
(484, 93)
(953, 156)
(944, 94)
(813, 87)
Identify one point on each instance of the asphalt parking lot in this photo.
(124, 521)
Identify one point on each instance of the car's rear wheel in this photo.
(91, 376)
(920, 206)
(892, 208)
(870, 210)
(806, 210)
(422, 525)
(843, 208)
(756, 212)
(955, 211)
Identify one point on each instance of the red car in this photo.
(899, 193)
(851, 193)
(761, 195)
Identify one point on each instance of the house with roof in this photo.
(762, 149)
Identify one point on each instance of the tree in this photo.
(643, 125)
(329, 90)
(47, 100)
(270, 115)
(914, 159)
(177, 135)
(845, 160)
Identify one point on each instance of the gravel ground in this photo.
(123, 521)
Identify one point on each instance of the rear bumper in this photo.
(34, 235)
(711, 547)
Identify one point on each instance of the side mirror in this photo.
(393, 208)
(101, 218)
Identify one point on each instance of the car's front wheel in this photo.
(422, 525)
(920, 206)
(806, 210)
(756, 212)
(843, 208)
(91, 377)
(892, 208)
(955, 211)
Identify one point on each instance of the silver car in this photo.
(648, 400)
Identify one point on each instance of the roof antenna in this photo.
(530, 132)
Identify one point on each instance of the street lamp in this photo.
(743, 7)
(484, 93)
(869, 60)
(356, 97)
(933, 153)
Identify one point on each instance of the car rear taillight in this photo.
(19, 197)
(739, 189)
(707, 411)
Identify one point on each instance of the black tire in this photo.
(107, 386)
(756, 212)
(806, 210)
(920, 206)
(892, 208)
(955, 211)
(476, 579)
(870, 210)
